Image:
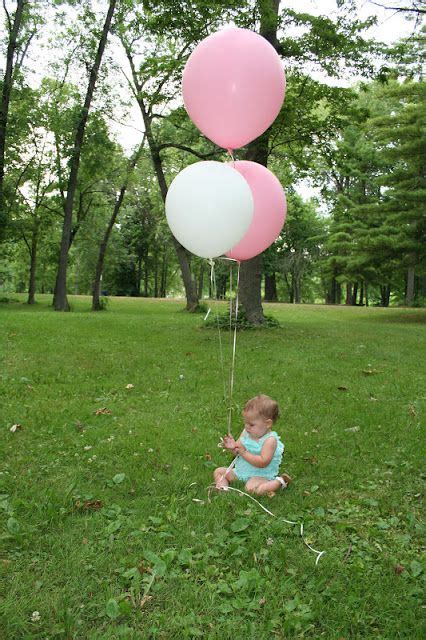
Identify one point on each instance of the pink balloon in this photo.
(270, 209)
(233, 86)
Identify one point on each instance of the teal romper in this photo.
(244, 470)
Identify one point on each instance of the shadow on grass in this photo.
(400, 316)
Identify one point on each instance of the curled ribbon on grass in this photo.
(319, 554)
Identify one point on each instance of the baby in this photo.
(259, 450)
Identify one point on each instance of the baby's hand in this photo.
(229, 442)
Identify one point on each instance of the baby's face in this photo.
(255, 424)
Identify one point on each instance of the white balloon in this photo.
(209, 207)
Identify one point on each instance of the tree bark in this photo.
(4, 106)
(201, 281)
(61, 302)
(361, 294)
(257, 151)
(271, 287)
(409, 295)
(249, 293)
(348, 299)
(156, 275)
(385, 295)
(145, 276)
(164, 268)
(33, 266)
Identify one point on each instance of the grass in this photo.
(105, 526)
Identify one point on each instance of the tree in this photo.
(323, 42)
(399, 231)
(155, 77)
(60, 301)
(19, 39)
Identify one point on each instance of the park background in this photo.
(110, 419)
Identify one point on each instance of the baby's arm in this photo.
(264, 458)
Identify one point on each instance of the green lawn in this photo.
(106, 529)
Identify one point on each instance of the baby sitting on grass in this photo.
(259, 450)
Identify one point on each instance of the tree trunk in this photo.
(138, 276)
(156, 274)
(385, 295)
(249, 294)
(5, 101)
(271, 287)
(297, 293)
(366, 295)
(61, 302)
(164, 268)
(361, 294)
(257, 151)
(348, 293)
(334, 294)
(201, 281)
(409, 295)
(33, 266)
(145, 276)
(354, 293)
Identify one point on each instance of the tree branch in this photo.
(407, 9)
(9, 23)
(182, 147)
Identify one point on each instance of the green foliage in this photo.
(222, 321)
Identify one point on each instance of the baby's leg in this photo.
(222, 478)
(259, 485)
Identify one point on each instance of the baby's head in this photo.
(259, 414)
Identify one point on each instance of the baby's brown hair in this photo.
(264, 406)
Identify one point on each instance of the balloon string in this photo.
(234, 350)
(232, 156)
(319, 554)
(214, 294)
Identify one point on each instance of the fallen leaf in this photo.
(352, 429)
(130, 386)
(312, 460)
(412, 410)
(15, 427)
(84, 541)
(144, 600)
(373, 399)
(262, 601)
(399, 569)
(270, 494)
(143, 569)
(207, 456)
(93, 504)
(102, 411)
